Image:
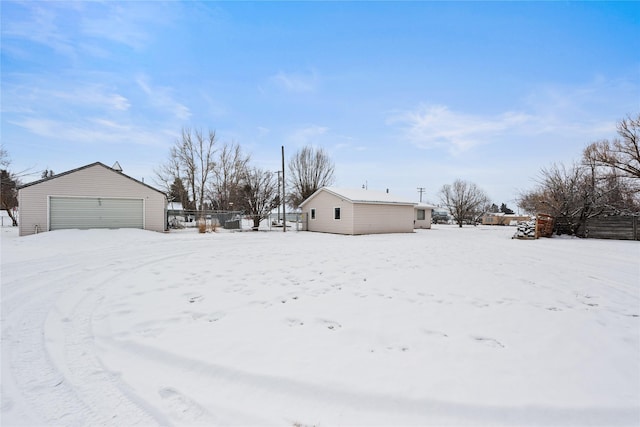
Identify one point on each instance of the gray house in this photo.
(355, 211)
(93, 196)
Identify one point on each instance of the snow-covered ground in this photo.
(446, 326)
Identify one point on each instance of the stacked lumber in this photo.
(525, 230)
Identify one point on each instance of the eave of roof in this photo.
(362, 196)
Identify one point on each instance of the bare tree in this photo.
(616, 168)
(166, 173)
(622, 154)
(465, 201)
(226, 189)
(5, 161)
(8, 186)
(570, 194)
(309, 170)
(260, 190)
(192, 159)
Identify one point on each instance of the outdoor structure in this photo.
(499, 218)
(357, 211)
(423, 215)
(92, 196)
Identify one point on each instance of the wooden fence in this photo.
(613, 227)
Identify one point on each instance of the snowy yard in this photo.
(440, 327)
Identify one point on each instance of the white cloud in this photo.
(119, 102)
(91, 131)
(436, 126)
(74, 29)
(40, 25)
(306, 135)
(117, 25)
(161, 98)
(295, 82)
(263, 131)
(572, 115)
(35, 95)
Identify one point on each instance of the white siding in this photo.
(426, 222)
(93, 181)
(382, 218)
(357, 218)
(324, 204)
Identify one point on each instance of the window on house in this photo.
(336, 213)
(420, 215)
(313, 214)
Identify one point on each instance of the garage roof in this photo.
(363, 196)
(86, 167)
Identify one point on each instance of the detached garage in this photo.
(355, 211)
(93, 196)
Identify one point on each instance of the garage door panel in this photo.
(94, 212)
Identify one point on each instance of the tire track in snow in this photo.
(290, 397)
(64, 381)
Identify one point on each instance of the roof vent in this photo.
(116, 167)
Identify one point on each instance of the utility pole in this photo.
(420, 190)
(279, 172)
(284, 215)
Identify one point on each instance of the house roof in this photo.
(87, 167)
(362, 196)
(425, 206)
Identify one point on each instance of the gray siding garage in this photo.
(93, 196)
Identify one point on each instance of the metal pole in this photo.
(279, 172)
(284, 215)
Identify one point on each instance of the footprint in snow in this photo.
(182, 406)
(294, 322)
(196, 298)
(435, 333)
(330, 324)
(214, 317)
(402, 349)
(488, 341)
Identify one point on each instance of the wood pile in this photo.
(525, 230)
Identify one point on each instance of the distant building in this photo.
(499, 218)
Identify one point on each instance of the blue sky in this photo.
(401, 94)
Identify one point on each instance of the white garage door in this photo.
(95, 212)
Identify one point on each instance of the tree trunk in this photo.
(256, 223)
(14, 221)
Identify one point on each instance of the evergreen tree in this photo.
(8, 194)
(47, 173)
(179, 193)
(504, 209)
